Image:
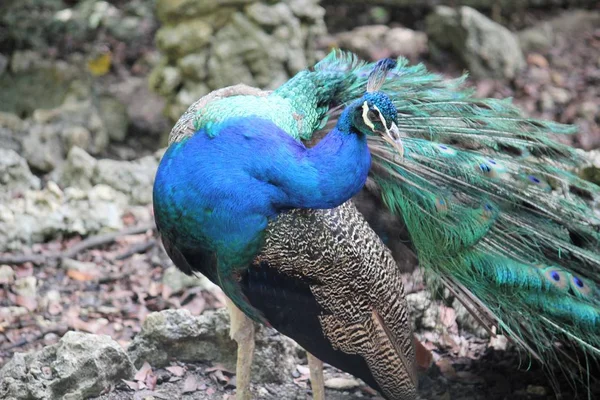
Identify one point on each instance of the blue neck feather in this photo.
(217, 190)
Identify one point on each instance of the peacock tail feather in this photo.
(491, 207)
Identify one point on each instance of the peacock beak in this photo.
(393, 137)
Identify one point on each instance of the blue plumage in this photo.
(217, 189)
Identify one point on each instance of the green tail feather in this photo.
(490, 205)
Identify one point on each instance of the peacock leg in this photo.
(242, 331)
(316, 377)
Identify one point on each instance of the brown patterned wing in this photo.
(343, 298)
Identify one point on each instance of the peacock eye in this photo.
(372, 115)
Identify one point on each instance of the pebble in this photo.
(341, 383)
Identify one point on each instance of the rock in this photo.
(209, 45)
(144, 108)
(79, 366)
(488, 49)
(341, 383)
(78, 170)
(177, 334)
(15, 174)
(114, 116)
(184, 38)
(26, 286)
(3, 63)
(537, 38)
(33, 82)
(193, 66)
(589, 110)
(52, 133)
(467, 321)
(177, 280)
(44, 214)
(134, 178)
(592, 172)
(377, 41)
(406, 42)
(419, 303)
(11, 132)
(7, 275)
(544, 35)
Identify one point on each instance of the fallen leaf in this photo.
(210, 391)
(218, 367)
(142, 372)
(132, 385)
(218, 375)
(28, 302)
(446, 368)
(100, 65)
(151, 380)
(190, 384)
(196, 306)
(176, 370)
(80, 275)
(538, 60)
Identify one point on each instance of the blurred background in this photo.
(89, 91)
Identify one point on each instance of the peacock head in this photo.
(375, 114)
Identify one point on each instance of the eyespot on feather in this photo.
(441, 205)
(556, 277)
(579, 286)
(445, 150)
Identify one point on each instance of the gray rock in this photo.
(33, 82)
(78, 170)
(544, 35)
(114, 116)
(238, 41)
(377, 41)
(144, 107)
(177, 334)
(487, 48)
(134, 178)
(193, 66)
(15, 173)
(41, 215)
(467, 322)
(3, 63)
(536, 38)
(184, 38)
(177, 280)
(79, 366)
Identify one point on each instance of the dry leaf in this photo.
(80, 275)
(100, 65)
(190, 384)
(151, 380)
(538, 60)
(176, 370)
(28, 302)
(218, 375)
(132, 385)
(218, 367)
(196, 306)
(142, 372)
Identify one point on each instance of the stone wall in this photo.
(208, 44)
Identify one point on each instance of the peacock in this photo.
(257, 191)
